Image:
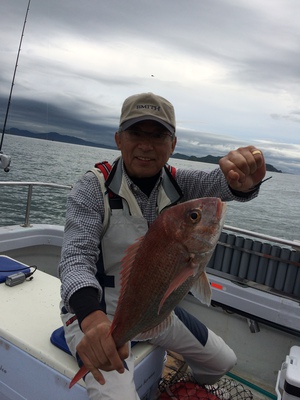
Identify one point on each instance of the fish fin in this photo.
(127, 261)
(181, 277)
(157, 330)
(131, 251)
(126, 266)
(80, 374)
(201, 289)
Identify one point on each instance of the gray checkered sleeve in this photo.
(196, 184)
(82, 234)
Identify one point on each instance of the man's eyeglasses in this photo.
(155, 137)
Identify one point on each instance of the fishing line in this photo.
(14, 75)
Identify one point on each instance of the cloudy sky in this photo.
(230, 67)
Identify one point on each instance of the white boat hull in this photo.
(32, 314)
(29, 315)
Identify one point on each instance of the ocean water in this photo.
(275, 212)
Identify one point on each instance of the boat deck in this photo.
(44, 291)
(41, 246)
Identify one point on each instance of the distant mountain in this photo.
(214, 160)
(57, 137)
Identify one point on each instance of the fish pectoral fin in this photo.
(157, 330)
(182, 276)
(201, 289)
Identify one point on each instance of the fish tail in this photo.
(80, 374)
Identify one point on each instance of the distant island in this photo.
(57, 137)
(214, 160)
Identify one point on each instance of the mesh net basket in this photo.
(182, 386)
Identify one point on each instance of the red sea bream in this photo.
(160, 268)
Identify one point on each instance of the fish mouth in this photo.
(203, 254)
(221, 212)
(216, 225)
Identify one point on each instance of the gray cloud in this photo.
(230, 68)
(292, 116)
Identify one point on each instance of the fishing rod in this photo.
(5, 159)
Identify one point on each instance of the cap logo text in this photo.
(148, 107)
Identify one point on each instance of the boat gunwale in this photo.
(295, 244)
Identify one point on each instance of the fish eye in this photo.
(195, 216)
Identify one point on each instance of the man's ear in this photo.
(174, 144)
(118, 140)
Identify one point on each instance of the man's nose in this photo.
(146, 142)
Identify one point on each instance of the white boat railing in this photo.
(292, 243)
(30, 186)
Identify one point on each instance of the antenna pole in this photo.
(14, 75)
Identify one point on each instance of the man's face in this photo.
(146, 147)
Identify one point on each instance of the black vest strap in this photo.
(115, 202)
(103, 279)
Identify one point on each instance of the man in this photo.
(90, 278)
